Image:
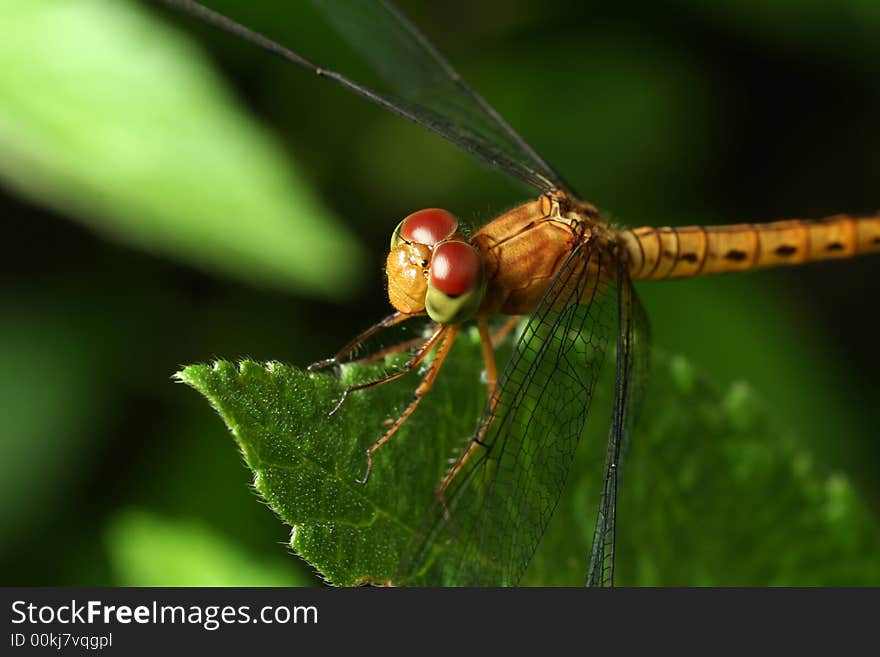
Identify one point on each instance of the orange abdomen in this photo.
(668, 252)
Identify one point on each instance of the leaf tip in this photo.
(188, 374)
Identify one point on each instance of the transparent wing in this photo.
(629, 387)
(485, 527)
(422, 86)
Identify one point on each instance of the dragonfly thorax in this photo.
(430, 268)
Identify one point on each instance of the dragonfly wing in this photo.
(420, 77)
(485, 527)
(421, 85)
(630, 382)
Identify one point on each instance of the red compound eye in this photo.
(455, 268)
(428, 226)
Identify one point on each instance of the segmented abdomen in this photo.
(667, 252)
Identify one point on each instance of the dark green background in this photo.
(660, 113)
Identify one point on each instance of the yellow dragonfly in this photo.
(555, 267)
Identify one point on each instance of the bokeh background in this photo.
(169, 195)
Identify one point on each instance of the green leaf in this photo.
(112, 118)
(307, 464)
(713, 491)
(149, 550)
(716, 492)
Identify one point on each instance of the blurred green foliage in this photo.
(148, 550)
(176, 143)
(73, 136)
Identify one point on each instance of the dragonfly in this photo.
(560, 272)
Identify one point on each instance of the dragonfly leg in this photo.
(389, 321)
(488, 348)
(448, 333)
(500, 334)
(408, 367)
(406, 345)
(492, 381)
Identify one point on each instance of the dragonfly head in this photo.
(431, 268)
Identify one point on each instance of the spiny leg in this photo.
(500, 334)
(488, 348)
(406, 345)
(449, 331)
(408, 367)
(391, 320)
(487, 345)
